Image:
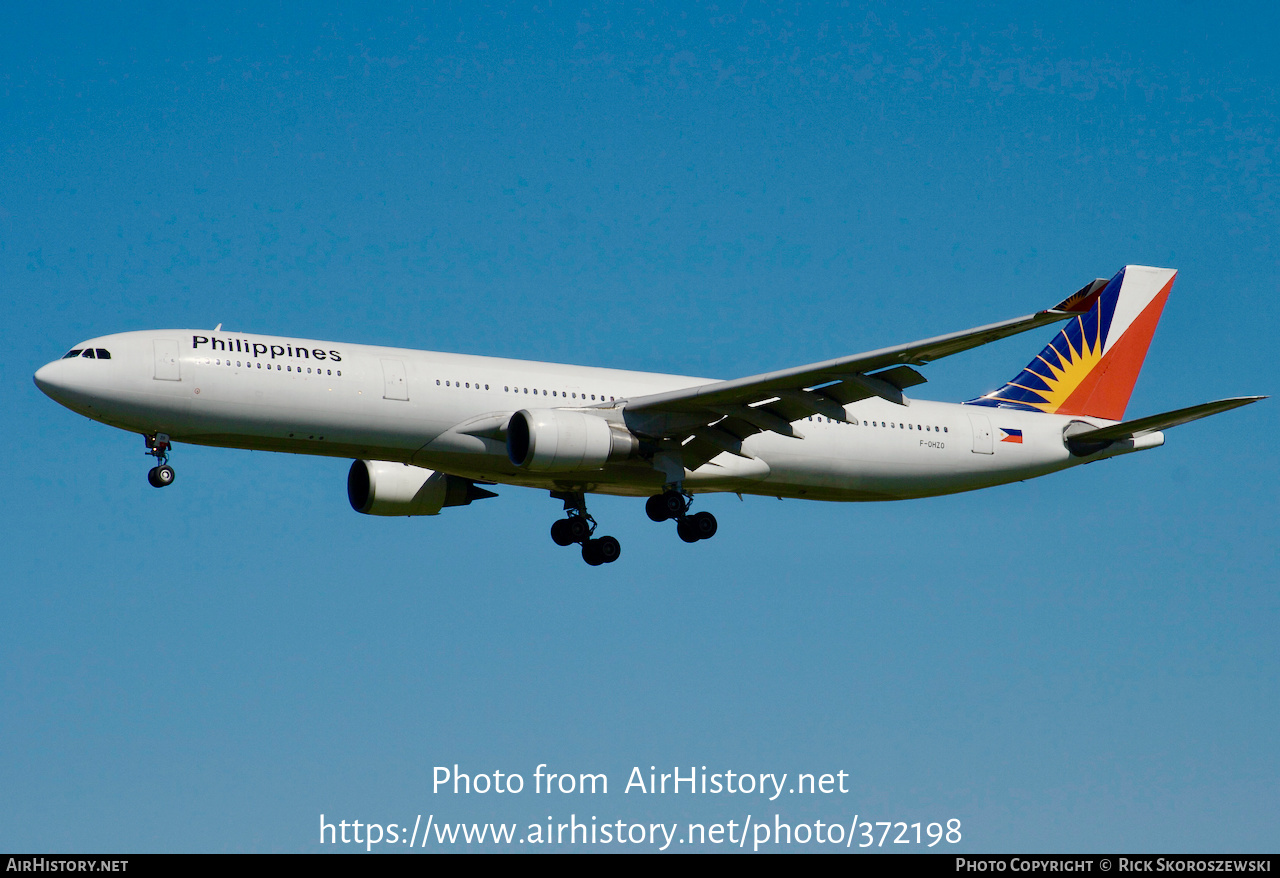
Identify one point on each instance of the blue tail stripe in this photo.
(1030, 379)
(1050, 356)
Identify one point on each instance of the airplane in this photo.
(434, 430)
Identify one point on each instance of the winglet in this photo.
(1083, 299)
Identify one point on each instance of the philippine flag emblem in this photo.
(1014, 436)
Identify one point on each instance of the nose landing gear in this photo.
(675, 504)
(161, 475)
(578, 527)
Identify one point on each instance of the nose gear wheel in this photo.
(161, 475)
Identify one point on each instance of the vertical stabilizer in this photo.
(1091, 366)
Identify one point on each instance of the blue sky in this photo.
(1084, 662)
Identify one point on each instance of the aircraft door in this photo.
(981, 434)
(395, 384)
(167, 368)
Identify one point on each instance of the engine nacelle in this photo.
(377, 487)
(554, 440)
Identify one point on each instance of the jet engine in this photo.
(555, 440)
(377, 487)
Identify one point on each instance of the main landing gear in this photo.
(161, 475)
(579, 527)
(675, 504)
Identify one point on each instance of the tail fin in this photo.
(1091, 366)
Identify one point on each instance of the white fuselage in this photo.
(446, 412)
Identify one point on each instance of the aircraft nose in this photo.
(53, 381)
(44, 377)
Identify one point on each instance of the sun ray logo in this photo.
(1090, 367)
(1064, 364)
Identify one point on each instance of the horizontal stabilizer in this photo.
(1089, 441)
(1152, 423)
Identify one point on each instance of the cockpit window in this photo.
(104, 354)
(88, 352)
(69, 354)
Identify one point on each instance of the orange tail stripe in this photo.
(1105, 391)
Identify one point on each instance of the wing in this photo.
(701, 422)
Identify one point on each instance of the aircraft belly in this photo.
(870, 475)
(728, 472)
(885, 463)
